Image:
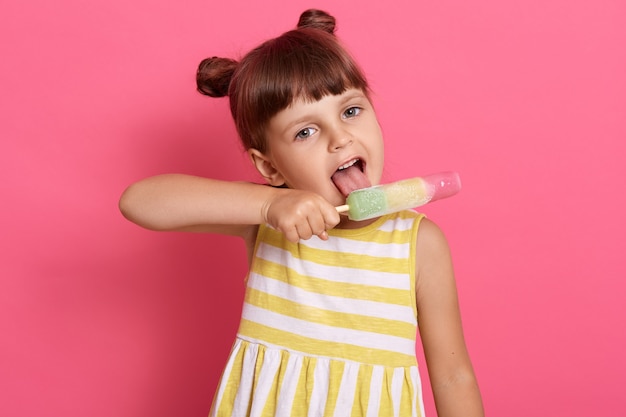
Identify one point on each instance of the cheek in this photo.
(298, 169)
(378, 162)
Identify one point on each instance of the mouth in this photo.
(351, 163)
(351, 176)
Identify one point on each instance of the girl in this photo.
(329, 321)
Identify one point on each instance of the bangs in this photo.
(303, 64)
(309, 70)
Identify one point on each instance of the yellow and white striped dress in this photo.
(328, 328)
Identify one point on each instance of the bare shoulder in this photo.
(434, 274)
(432, 250)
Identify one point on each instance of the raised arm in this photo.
(189, 203)
(452, 377)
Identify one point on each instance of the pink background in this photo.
(527, 100)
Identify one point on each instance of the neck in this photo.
(346, 223)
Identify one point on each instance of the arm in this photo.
(189, 203)
(454, 384)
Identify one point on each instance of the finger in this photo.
(304, 231)
(291, 234)
(331, 217)
(318, 226)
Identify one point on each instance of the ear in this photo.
(266, 167)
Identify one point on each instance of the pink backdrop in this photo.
(527, 100)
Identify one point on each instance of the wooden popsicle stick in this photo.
(342, 209)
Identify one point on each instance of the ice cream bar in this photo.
(379, 200)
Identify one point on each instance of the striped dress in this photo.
(328, 328)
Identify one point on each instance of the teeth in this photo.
(347, 164)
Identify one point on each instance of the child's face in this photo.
(308, 142)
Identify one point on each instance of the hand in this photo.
(300, 214)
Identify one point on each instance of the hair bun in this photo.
(214, 75)
(317, 19)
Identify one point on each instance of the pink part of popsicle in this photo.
(443, 184)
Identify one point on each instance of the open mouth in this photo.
(351, 176)
(352, 163)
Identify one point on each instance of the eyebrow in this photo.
(353, 95)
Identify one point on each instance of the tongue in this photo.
(350, 179)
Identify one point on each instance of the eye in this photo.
(306, 133)
(352, 112)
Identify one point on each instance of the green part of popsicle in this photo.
(366, 203)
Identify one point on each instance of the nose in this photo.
(339, 139)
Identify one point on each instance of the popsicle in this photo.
(379, 200)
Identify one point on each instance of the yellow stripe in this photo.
(324, 257)
(386, 403)
(330, 318)
(337, 289)
(380, 236)
(362, 396)
(304, 344)
(336, 372)
(272, 399)
(406, 399)
(304, 388)
(260, 356)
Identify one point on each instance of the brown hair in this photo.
(308, 62)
